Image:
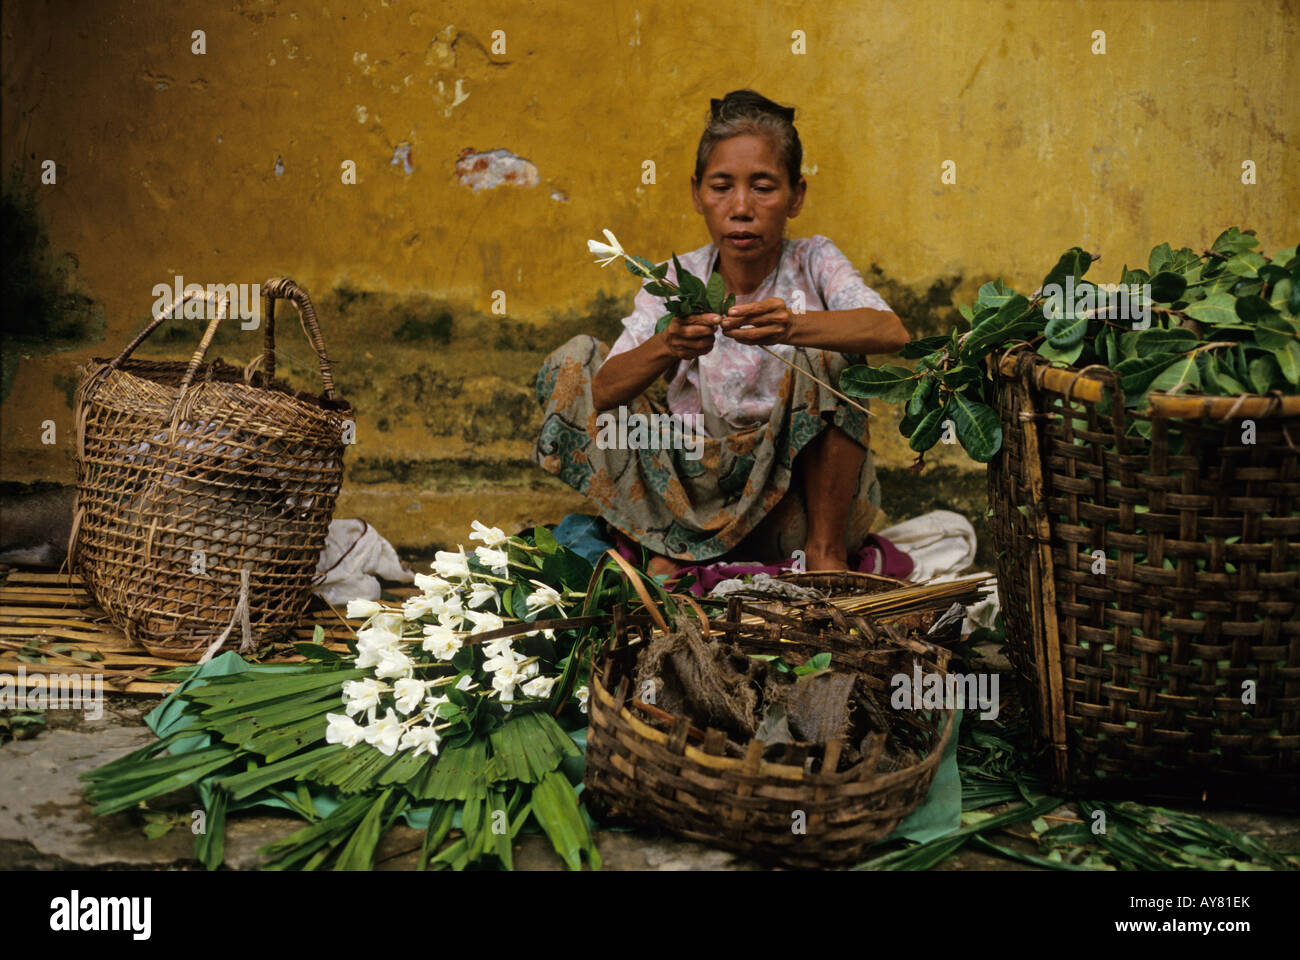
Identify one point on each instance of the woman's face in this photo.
(746, 197)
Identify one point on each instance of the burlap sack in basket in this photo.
(204, 490)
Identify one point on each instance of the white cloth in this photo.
(941, 544)
(353, 556)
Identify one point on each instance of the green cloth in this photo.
(940, 813)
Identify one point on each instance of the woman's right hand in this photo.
(691, 337)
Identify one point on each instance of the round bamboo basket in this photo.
(795, 810)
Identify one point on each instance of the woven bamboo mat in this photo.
(43, 616)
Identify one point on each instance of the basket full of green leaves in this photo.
(1143, 440)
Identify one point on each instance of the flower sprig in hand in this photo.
(758, 324)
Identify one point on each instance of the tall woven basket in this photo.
(658, 768)
(205, 490)
(1151, 585)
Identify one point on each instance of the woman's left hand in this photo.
(764, 322)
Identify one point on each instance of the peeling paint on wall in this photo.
(402, 155)
(485, 171)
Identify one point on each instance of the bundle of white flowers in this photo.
(430, 676)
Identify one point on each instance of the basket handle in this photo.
(273, 289)
(170, 314)
(285, 289)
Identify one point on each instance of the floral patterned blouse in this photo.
(735, 385)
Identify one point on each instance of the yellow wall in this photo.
(166, 159)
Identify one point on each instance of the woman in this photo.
(787, 464)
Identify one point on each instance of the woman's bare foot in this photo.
(660, 565)
(825, 560)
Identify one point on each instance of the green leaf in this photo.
(815, 664)
(1073, 263)
(1167, 287)
(210, 845)
(1265, 373)
(1246, 264)
(545, 540)
(1216, 308)
(646, 267)
(1066, 331)
(1255, 309)
(716, 292)
(1215, 379)
(992, 294)
(893, 384)
(920, 394)
(978, 427)
(1233, 240)
(1159, 340)
(1179, 375)
(1137, 375)
(1010, 320)
(1160, 256)
(1067, 356)
(1288, 359)
(1274, 332)
(927, 431)
(1279, 298)
(916, 349)
(663, 322)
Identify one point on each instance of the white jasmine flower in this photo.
(582, 693)
(384, 735)
(343, 729)
(363, 609)
(484, 621)
(529, 670)
(491, 536)
(609, 251)
(452, 614)
(409, 692)
(494, 560)
(421, 740)
(394, 663)
(494, 648)
(441, 642)
(541, 598)
(505, 689)
(431, 705)
(362, 695)
(373, 643)
(413, 608)
(503, 669)
(389, 622)
(433, 586)
(466, 683)
(453, 565)
(481, 593)
(539, 686)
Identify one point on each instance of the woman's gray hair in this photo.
(748, 112)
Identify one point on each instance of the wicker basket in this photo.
(654, 767)
(1136, 672)
(205, 491)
